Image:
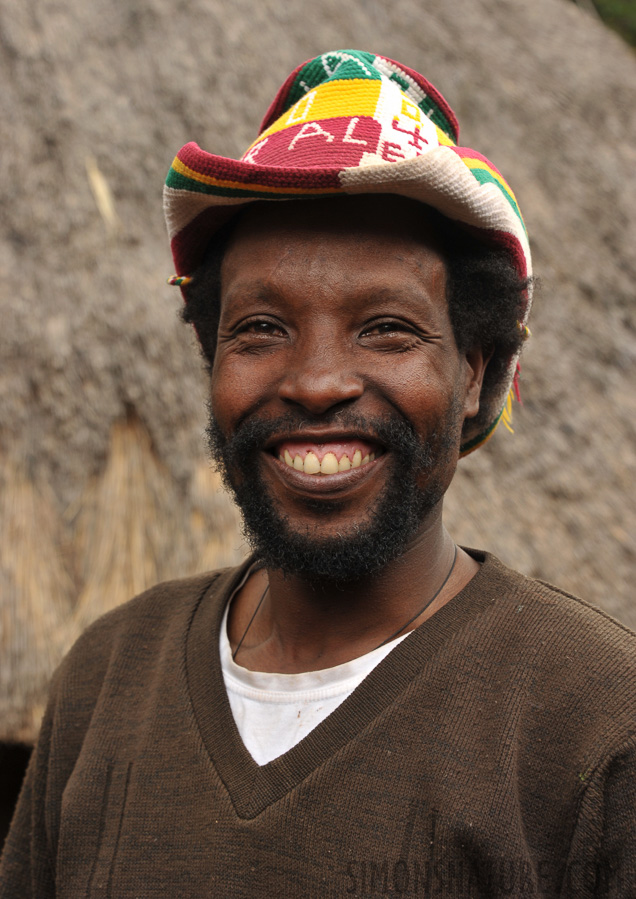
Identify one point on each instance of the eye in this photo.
(387, 328)
(261, 327)
(391, 335)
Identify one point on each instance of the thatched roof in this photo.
(104, 481)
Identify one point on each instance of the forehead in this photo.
(361, 239)
(383, 216)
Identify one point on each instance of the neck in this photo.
(307, 625)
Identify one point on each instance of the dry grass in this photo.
(134, 526)
(37, 592)
(127, 535)
(220, 544)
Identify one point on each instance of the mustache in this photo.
(395, 433)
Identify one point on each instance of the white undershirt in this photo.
(273, 712)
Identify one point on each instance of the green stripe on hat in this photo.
(485, 177)
(342, 65)
(177, 181)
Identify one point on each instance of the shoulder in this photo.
(130, 640)
(157, 608)
(554, 613)
(573, 658)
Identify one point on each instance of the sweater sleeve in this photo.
(602, 861)
(26, 867)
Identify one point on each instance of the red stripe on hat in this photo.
(335, 143)
(467, 153)
(188, 245)
(503, 239)
(221, 169)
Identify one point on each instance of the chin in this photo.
(322, 550)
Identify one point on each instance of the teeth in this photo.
(329, 464)
(312, 465)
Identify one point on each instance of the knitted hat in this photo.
(350, 122)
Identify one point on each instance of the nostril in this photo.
(320, 390)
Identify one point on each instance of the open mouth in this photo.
(323, 459)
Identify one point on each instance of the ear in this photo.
(476, 361)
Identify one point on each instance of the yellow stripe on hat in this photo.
(183, 169)
(349, 97)
(443, 138)
(480, 164)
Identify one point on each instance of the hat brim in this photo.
(203, 191)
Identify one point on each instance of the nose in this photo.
(320, 377)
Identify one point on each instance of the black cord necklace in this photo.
(260, 603)
(384, 642)
(424, 607)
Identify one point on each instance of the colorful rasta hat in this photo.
(350, 122)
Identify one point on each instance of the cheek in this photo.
(239, 385)
(423, 389)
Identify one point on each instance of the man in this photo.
(363, 708)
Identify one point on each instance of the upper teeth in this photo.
(329, 464)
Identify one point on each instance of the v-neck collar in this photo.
(253, 787)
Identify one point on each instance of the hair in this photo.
(485, 293)
(203, 294)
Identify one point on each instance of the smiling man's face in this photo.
(338, 393)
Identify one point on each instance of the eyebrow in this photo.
(260, 291)
(255, 292)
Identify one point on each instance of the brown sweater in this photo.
(491, 754)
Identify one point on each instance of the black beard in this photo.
(391, 524)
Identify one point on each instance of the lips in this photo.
(328, 458)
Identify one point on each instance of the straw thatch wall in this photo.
(104, 485)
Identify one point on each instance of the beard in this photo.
(392, 521)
